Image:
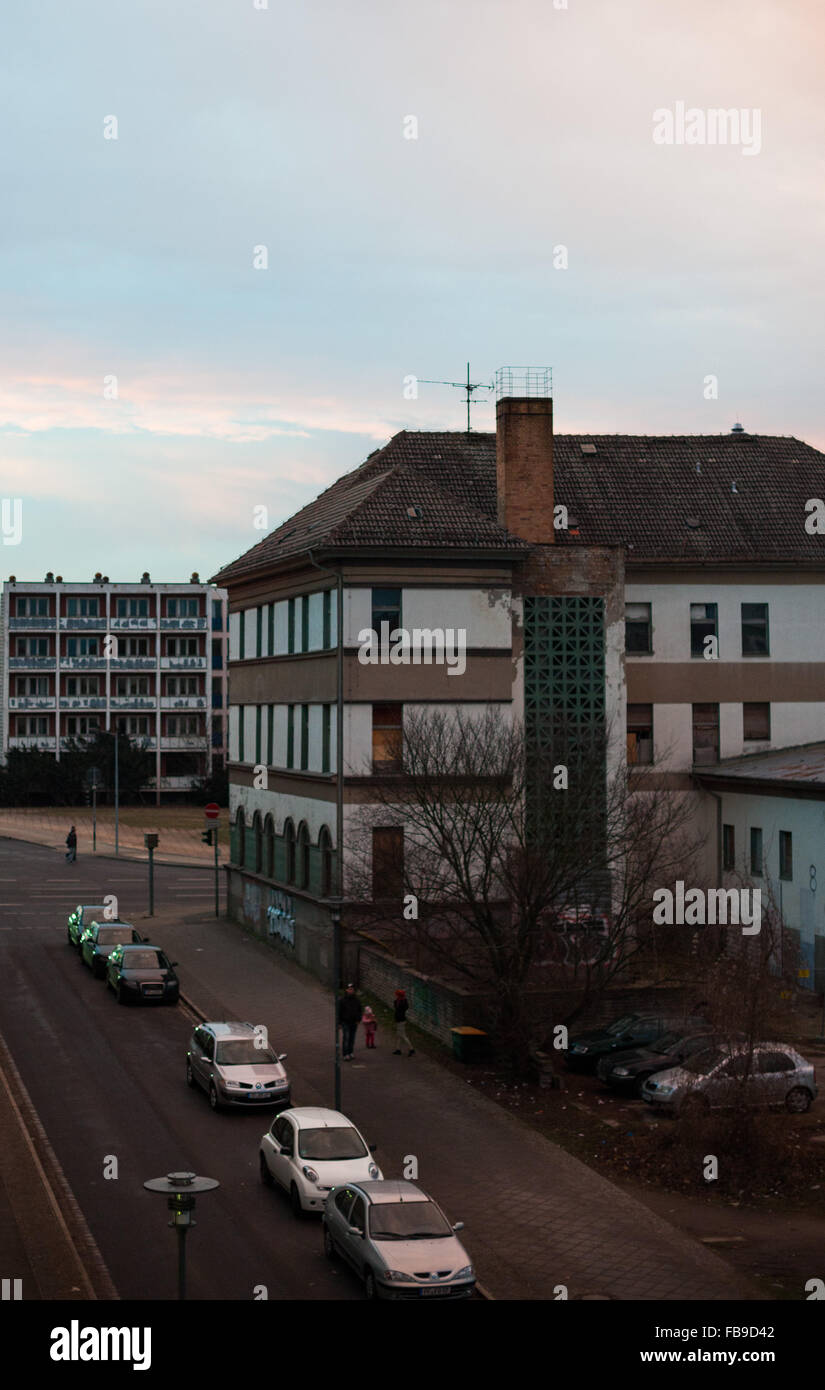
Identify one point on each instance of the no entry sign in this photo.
(212, 811)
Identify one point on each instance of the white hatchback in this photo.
(308, 1151)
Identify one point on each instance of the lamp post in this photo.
(181, 1190)
(335, 917)
(151, 843)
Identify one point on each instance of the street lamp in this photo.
(181, 1189)
(335, 917)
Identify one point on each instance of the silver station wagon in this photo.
(398, 1241)
(229, 1062)
(776, 1074)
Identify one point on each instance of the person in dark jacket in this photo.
(71, 843)
(400, 1010)
(350, 1010)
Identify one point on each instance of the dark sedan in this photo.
(100, 938)
(140, 974)
(630, 1031)
(628, 1071)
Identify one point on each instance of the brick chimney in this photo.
(524, 466)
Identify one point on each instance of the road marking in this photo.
(5, 1289)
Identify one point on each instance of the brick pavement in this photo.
(536, 1217)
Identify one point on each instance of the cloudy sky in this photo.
(285, 127)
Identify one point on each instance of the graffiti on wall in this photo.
(280, 916)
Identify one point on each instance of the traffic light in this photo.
(206, 836)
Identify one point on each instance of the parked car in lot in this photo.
(776, 1074)
(138, 974)
(227, 1061)
(631, 1030)
(79, 919)
(628, 1071)
(397, 1240)
(308, 1151)
(99, 938)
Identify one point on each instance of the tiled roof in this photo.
(704, 498)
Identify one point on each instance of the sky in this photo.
(420, 185)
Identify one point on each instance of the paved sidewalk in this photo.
(536, 1217)
(38, 826)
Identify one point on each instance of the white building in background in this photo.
(148, 658)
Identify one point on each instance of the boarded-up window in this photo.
(639, 734)
(388, 862)
(756, 721)
(387, 738)
(705, 734)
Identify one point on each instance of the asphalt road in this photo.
(109, 1081)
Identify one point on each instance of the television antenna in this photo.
(468, 386)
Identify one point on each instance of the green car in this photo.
(100, 938)
(80, 918)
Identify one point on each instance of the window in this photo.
(32, 685)
(257, 842)
(774, 1062)
(386, 608)
(241, 635)
(132, 608)
(259, 632)
(303, 855)
(132, 685)
(270, 629)
(325, 845)
(182, 607)
(387, 738)
(326, 718)
(289, 838)
(82, 646)
(388, 862)
(304, 737)
(756, 722)
(83, 607)
(290, 735)
(81, 726)
(290, 625)
(786, 855)
(728, 848)
(756, 852)
(135, 725)
(705, 734)
(32, 608)
(703, 624)
(638, 628)
(269, 847)
(183, 685)
(755, 641)
(258, 712)
(136, 646)
(358, 1215)
(326, 640)
(32, 646)
(305, 622)
(182, 646)
(240, 825)
(241, 712)
(82, 685)
(33, 726)
(344, 1200)
(182, 726)
(639, 734)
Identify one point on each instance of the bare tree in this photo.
(505, 849)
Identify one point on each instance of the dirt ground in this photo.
(179, 829)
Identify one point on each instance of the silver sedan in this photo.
(772, 1074)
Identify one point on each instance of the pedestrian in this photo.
(71, 841)
(350, 1010)
(400, 1010)
(370, 1023)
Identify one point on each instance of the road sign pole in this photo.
(151, 883)
(117, 794)
(217, 876)
(94, 818)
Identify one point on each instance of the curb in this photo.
(130, 856)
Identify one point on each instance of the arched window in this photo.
(325, 845)
(240, 831)
(303, 855)
(289, 838)
(257, 841)
(269, 847)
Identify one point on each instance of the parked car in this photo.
(631, 1030)
(628, 1071)
(140, 973)
(99, 938)
(397, 1240)
(79, 919)
(227, 1061)
(776, 1074)
(308, 1151)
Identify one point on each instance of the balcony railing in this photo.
(183, 624)
(188, 741)
(85, 624)
(83, 663)
(183, 702)
(134, 623)
(83, 702)
(33, 624)
(183, 663)
(31, 702)
(48, 744)
(133, 702)
(173, 784)
(133, 663)
(31, 663)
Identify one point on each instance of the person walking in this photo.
(370, 1023)
(400, 1010)
(350, 1010)
(71, 842)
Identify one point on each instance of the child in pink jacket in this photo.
(370, 1024)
